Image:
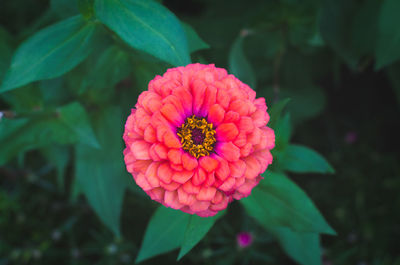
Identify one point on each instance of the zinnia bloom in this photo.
(197, 139)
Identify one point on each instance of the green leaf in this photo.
(301, 247)
(276, 110)
(101, 173)
(64, 8)
(109, 68)
(350, 28)
(387, 50)
(20, 135)
(75, 117)
(309, 102)
(50, 53)
(283, 132)
(239, 65)
(146, 26)
(301, 159)
(58, 156)
(164, 233)
(277, 201)
(86, 7)
(195, 43)
(196, 229)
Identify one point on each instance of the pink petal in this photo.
(140, 149)
(208, 163)
(182, 176)
(229, 151)
(189, 162)
(226, 132)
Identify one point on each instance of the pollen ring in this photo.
(197, 136)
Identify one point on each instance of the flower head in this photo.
(197, 139)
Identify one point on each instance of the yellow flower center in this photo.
(197, 136)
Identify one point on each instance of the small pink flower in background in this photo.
(351, 137)
(244, 239)
(197, 139)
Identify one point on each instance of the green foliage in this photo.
(51, 52)
(100, 173)
(160, 32)
(278, 201)
(70, 71)
(302, 247)
(239, 65)
(165, 232)
(387, 50)
(169, 229)
(301, 159)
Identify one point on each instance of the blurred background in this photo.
(337, 61)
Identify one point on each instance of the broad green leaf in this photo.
(50, 53)
(301, 247)
(195, 43)
(59, 157)
(64, 8)
(20, 135)
(146, 26)
(283, 132)
(74, 116)
(106, 70)
(276, 110)
(196, 229)
(239, 65)
(86, 7)
(100, 173)
(277, 201)
(301, 159)
(164, 233)
(309, 102)
(350, 28)
(387, 50)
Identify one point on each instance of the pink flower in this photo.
(197, 139)
(244, 239)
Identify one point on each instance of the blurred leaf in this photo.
(276, 110)
(86, 7)
(165, 232)
(106, 70)
(64, 8)
(100, 173)
(196, 229)
(58, 156)
(50, 53)
(75, 117)
(239, 65)
(309, 102)
(387, 50)
(146, 26)
(301, 247)
(301, 159)
(27, 98)
(350, 28)
(277, 201)
(195, 43)
(20, 135)
(283, 132)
